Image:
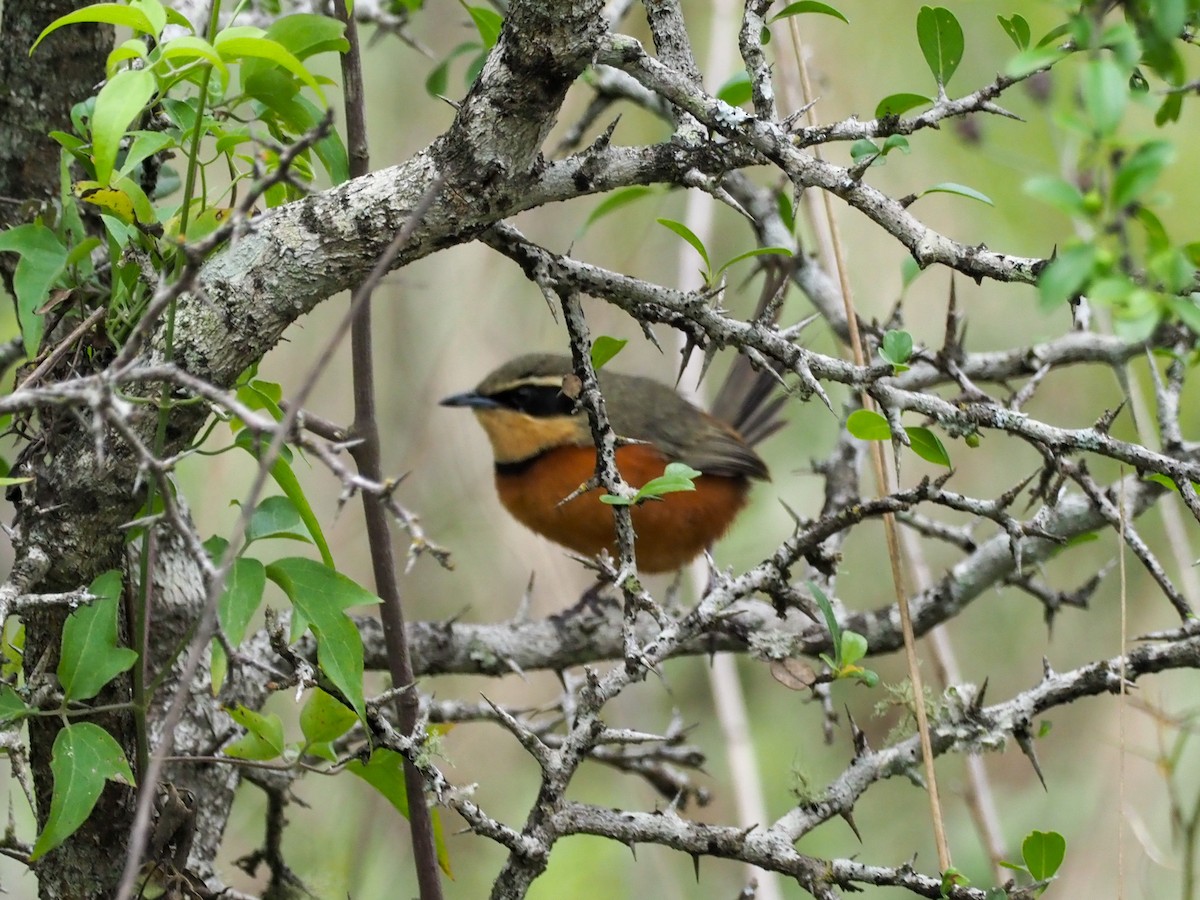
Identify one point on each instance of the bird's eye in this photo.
(541, 400)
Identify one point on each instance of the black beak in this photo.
(470, 399)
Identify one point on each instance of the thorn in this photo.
(857, 735)
(1025, 742)
(977, 701)
(523, 606)
(696, 866)
(849, 817)
(649, 334)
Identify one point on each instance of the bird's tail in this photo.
(750, 398)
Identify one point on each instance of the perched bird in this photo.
(544, 451)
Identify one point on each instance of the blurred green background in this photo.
(443, 323)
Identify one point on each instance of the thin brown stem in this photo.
(366, 454)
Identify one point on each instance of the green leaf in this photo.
(248, 42)
(1066, 275)
(1057, 192)
(808, 6)
(941, 40)
(862, 149)
(488, 23)
(241, 598)
(144, 144)
(320, 594)
(104, 14)
(868, 426)
(896, 142)
(1137, 174)
(676, 477)
(1188, 311)
(615, 201)
(275, 517)
(690, 236)
(853, 647)
(42, 259)
(909, 270)
(12, 707)
(385, 772)
(436, 83)
(928, 446)
(1105, 89)
(263, 738)
(1017, 29)
(604, 348)
(735, 91)
(91, 656)
(324, 719)
(899, 104)
(757, 251)
(119, 102)
(83, 758)
(1043, 853)
(896, 347)
(831, 622)
(189, 47)
(306, 34)
(950, 187)
(1031, 60)
(281, 471)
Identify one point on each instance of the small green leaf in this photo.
(1066, 275)
(263, 739)
(735, 91)
(1105, 89)
(950, 187)
(604, 348)
(248, 42)
(321, 594)
(676, 476)
(1043, 853)
(101, 13)
(896, 347)
(12, 707)
(1138, 173)
(42, 259)
(615, 201)
(757, 251)
(488, 23)
(928, 446)
(282, 472)
(91, 656)
(896, 142)
(853, 647)
(275, 517)
(324, 719)
(808, 6)
(899, 104)
(863, 149)
(241, 598)
(1057, 192)
(868, 426)
(831, 622)
(688, 235)
(909, 270)
(385, 772)
(118, 104)
(1017, 29)
(1031, 60)
(941, 40)
(83, 758)
(189, 47)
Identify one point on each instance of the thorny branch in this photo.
(766, 612)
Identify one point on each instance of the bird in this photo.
(544, 452)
